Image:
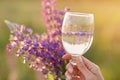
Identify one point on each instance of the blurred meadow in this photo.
(105, 50)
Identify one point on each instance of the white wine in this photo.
(77, 43)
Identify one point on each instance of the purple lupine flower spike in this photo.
(42, 52)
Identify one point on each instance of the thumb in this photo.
(81, 66)
(90, 65)
(93, 68)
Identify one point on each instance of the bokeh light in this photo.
(105, 50)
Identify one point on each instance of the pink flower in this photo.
(42, 52)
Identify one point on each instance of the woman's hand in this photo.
(84, 70)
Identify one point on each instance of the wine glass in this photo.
(77, 33)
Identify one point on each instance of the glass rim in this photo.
(79, 14)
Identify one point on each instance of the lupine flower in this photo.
(42, 52)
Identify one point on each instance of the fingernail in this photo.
(70, 70)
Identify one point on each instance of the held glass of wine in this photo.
(77, 32)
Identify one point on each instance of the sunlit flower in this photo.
(42, 52)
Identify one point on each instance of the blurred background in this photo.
(105, 50)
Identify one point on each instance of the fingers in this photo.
(72, 69)
(81, 66)
(84, 70)
(69, 68)
(68, 76)
(67, 57)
